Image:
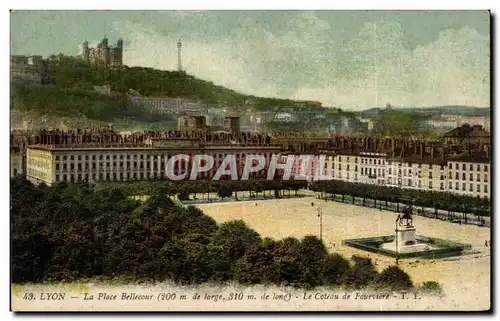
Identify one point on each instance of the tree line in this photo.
(432, 199)
(77, 231)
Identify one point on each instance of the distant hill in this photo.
(438, 110)
(68, 71)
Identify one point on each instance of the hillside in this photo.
(438, 110)
(153, 82)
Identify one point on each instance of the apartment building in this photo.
(469, 176)
(460, 174)
(49, 165)
(343, 166)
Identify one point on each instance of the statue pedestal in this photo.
(405, 236)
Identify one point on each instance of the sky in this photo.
(348, 59)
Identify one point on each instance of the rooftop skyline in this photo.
(349, 59)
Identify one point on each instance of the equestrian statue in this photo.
(407, 216)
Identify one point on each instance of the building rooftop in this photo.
(476, 157)
(467, 131)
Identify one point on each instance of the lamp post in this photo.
(397, 245)
(320, 215)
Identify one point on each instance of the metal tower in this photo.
(179, 56)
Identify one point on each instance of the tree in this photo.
(360, 274)
(394, 279)
(228, 244)
(334, 267)
(224, 191)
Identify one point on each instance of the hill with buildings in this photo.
(435, 111)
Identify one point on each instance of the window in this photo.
(404, 171)
(441, 186)
(430, 184)
(71, 157)
(378, 171)
(409, 172)
(64, 177)
(79, 157)
(65, 167)
(449, 185)
(390, 171)
(478, 167)
(410, 183)
(463, 186)
(379, 161)
(347, 166)
(478, 189)
(86, 157)
(449, 175)
(340, 167)
(485, 168)
(456, 186)
(15, 171)
(471, 167)
(485, 177)
(430, 166)
(456, 167)
(72, 166)
(347, 175)
(93, 157)
(478, 177)
(57, 178)
(471, 188)
(471, 177)
(65, 158)
(430, 175)
(463, 177)
(79, 166)
(442, 177)
(463, 167)
(356, 176)
(485, 188)
(456, 175)
(356, 168)
(57, 167)
(347, 158)
(57, 158)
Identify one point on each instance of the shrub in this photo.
(431, 288)
(393, 279)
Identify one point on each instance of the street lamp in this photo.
(320, 215)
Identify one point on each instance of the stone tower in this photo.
(86, 52)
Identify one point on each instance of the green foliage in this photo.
(440, 200)
(397, 122)
(82, 231)
(361, 274)
(394, 279)
(431, 288)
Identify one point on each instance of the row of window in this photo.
(471, 177)
(471, 187)
(102, 176)
(471, 167)
(135, 156)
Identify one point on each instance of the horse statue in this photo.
(406, 215)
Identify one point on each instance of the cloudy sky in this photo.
(348, 59)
